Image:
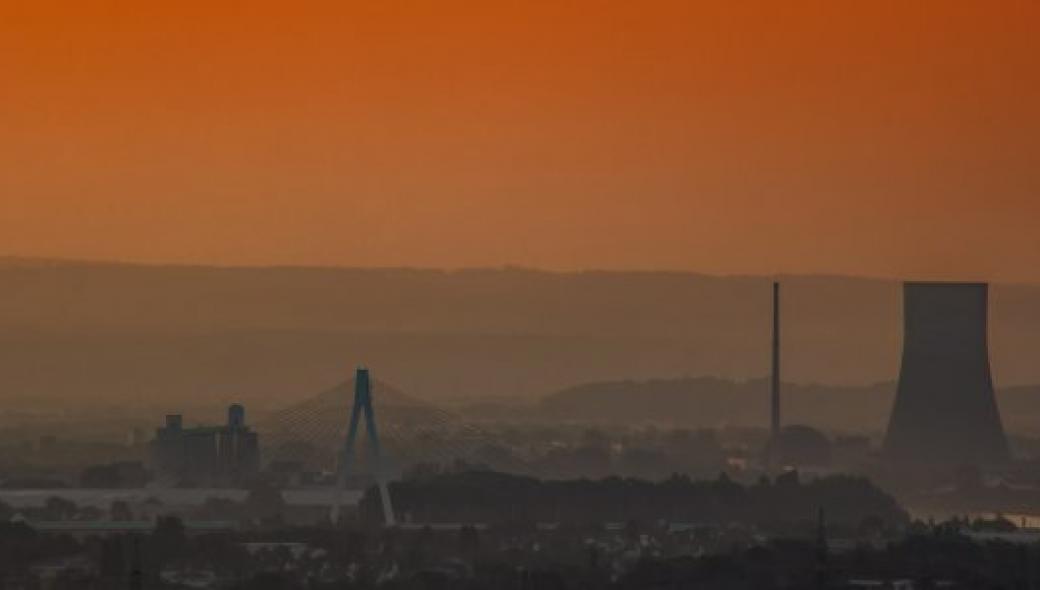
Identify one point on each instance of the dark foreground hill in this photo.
(269, 336)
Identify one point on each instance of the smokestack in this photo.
(775, 386)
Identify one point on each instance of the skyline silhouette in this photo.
(557, 233)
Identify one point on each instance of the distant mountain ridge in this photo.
(73, 330)
(713, 402)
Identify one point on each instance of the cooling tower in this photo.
(945, 413)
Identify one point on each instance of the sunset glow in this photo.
(855, 138)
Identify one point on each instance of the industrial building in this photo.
(945, 414)
(206, 455)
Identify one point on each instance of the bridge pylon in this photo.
(363, 405)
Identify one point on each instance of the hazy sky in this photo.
(884, 138)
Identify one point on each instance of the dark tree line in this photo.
(492, 498)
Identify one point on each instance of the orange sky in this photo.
(844, 137)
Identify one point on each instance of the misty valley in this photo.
(188, 427)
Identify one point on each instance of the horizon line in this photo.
(12, 260)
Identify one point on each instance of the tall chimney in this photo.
(775, 386)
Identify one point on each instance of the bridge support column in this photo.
(363, 405)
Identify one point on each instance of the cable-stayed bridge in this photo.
(324, 434)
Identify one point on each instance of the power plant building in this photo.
(206, 455)
(945, 413)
